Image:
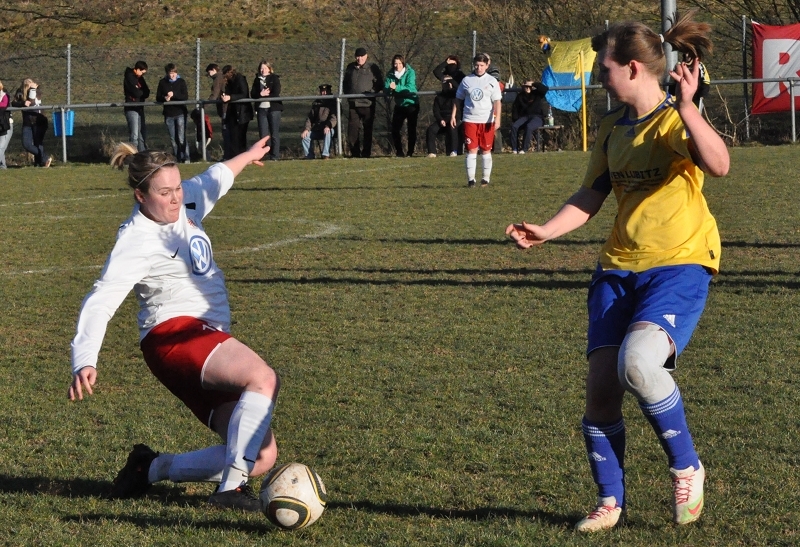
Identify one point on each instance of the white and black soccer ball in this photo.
(293, 496)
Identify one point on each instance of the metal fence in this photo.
(88, 82)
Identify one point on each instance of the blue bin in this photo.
(69, 122)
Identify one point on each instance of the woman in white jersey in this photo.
(164, 255)
(651, 283)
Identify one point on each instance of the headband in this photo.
(148, 175)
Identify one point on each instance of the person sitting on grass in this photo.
(163, 253)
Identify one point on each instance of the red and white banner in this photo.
(776, 54)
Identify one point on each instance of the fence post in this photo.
(791, 82)
(744, 77)
(201, 105)
(474, 45)
(339, 99)
(69, 97)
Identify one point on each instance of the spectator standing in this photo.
(442, 109)
(237, 115)
(360, 77)
(320, 123)
(34, 123)
(217, 88)
(6, 125)
(528, 111)
(136, 91)
(401, 81)
(479, 94)
(172, 88)
(268, 84)
(450, 67)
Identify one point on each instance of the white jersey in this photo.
(170, 267)
(479, 94)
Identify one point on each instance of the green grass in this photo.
(432, 373)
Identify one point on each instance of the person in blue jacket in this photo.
(402, 84)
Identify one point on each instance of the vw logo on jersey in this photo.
(476, 94)
(201, 254)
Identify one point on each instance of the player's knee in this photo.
(640, 364)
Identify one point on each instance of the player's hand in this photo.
(259, 150)
(526, 235)
(687, 77)
(83, 379)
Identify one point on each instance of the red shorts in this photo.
(479, 135)
(176, 352)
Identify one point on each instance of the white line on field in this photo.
(45, 201)
(325, 229)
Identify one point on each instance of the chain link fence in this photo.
(93, 76)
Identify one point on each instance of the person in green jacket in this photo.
(402, 84)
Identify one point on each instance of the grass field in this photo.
(432, 373)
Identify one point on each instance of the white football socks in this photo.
(204, 465)
(472, 165)
(246, 431)
(487, 166)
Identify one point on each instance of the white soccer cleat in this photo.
(687, 490)
(604, 517)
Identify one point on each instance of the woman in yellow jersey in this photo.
(653, 272)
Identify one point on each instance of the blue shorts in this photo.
(672, 297)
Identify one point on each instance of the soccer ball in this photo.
(293, 496)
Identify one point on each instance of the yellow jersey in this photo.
(662, 218)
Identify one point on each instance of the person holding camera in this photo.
(34, 123)
(442, 109)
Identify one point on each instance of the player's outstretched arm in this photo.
(578, 209)
(708, 149)
(83, 379)
(253, 155)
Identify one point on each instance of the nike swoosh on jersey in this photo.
(176, 252)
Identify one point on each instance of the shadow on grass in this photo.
(172, 522)
(166, 493)
(549, 284)
(478, 514)
(399, 511)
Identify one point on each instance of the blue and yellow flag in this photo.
(563, 69)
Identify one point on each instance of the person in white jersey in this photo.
(163, 253)
(480, 95)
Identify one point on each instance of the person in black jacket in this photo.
(136, 91)
(237, 115)
(320, 124)
(172, 88)
(34, 123)
(267, 84)
(442, 111)
(360, 77)
(450, 67)
(528, 111)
